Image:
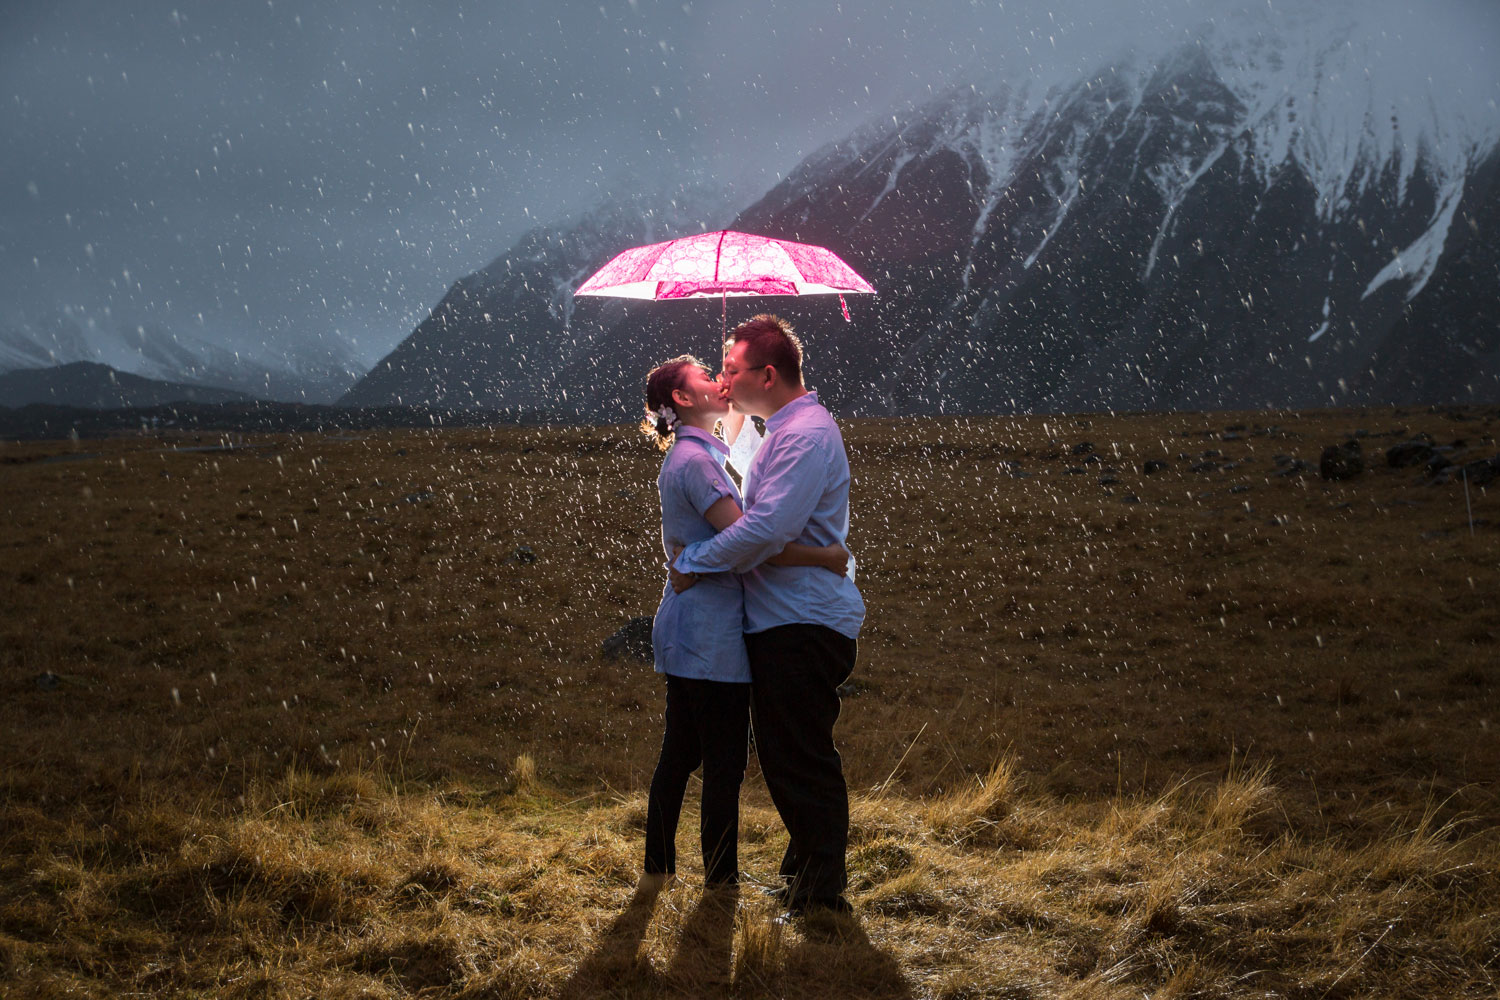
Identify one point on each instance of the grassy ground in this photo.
(325, 716)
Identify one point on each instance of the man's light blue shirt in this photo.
(698, 633)
(798, 491)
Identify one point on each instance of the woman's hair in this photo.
(665, 379)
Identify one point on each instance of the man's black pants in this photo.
(796, 671)
(707, 722)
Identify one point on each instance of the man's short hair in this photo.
(769, 340)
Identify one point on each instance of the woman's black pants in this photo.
(707, 723)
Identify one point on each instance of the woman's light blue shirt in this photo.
(698, 633)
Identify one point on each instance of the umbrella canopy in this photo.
(722, 264)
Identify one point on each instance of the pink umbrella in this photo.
(725, 263)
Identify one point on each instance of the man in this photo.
(801, 623)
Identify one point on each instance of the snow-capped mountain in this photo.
(56, 341)
(1276, 213)
(314, 374)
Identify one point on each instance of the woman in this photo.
(698, 634)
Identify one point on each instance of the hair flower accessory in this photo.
(669, 417)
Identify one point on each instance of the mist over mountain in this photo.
(315, 372)
(90, 385)
(1250, 219)
(505, 337)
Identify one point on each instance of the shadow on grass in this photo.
(830, 956)
(616, 965)
(704, 963)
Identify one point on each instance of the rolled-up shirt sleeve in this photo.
(705, 484)
(791, 475)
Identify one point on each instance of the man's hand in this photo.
(839, 560)
(679, 580)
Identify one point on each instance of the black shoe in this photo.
(807, 911)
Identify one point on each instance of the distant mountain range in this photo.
(319, 373)
(1248, 220)
(91, 385)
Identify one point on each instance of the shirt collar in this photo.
(788, 411)
(695, 434)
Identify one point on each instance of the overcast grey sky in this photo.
(275, 170)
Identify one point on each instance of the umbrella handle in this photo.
(723, 318)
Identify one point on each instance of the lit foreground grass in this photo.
(351, 883)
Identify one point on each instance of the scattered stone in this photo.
(1242, 488)
(1342, 461)
(1108, 480)
(1130, 498)
(1235, 428)
(1483, 472)
(1153, 466)
(1295, 468)
(1083, 448)
(421, 496)
(1205, 467)
(1091, 460)
(400, 452)
(524, 554)
(1408, 453)
(1233, 436)
(632, 641)
(47, 681)
(1074, 471)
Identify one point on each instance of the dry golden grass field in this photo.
(326, 716)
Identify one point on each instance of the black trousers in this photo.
(796, 671)
(707, 722)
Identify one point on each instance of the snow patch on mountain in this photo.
(1416, 263)
(1327, 87)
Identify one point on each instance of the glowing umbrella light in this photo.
(726, 263)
